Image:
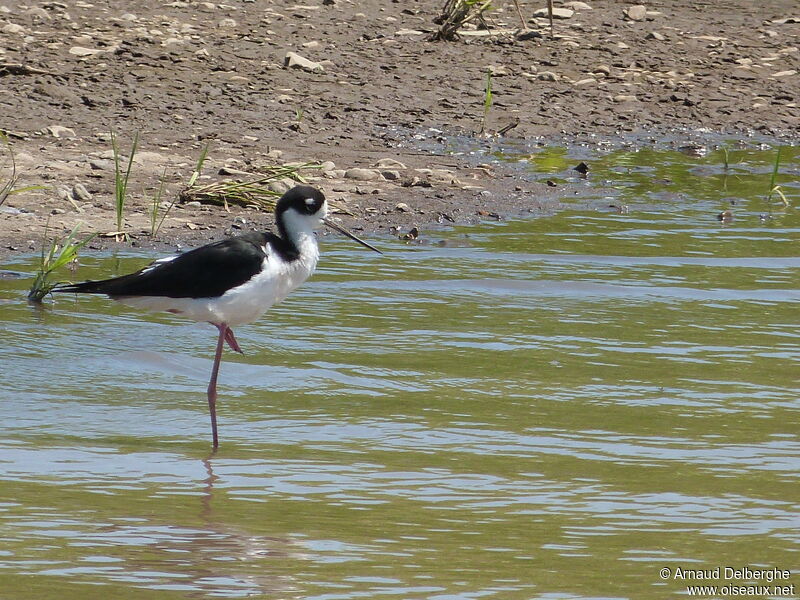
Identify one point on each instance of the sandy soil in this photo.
(185, 73)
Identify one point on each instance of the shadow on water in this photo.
(560, 408)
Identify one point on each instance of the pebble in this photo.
(38, 13)
(577, 5)
(585, 82)
(58, 131)
(295, 61)
(327, 165)
(637, 12)
(227, 23)
(654, 35)
(389, 163)
(79, 192)
(788, 73)
(101, 164)
(390, 175)
(312, 44)
(281, 186)
(13, 28)
(402, 207)
(360, 174)
(558, 13)
(547, 76)
(624, 98)
(604, 69)
(81, 51)
(150, 158)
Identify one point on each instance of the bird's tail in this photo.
(87, 287)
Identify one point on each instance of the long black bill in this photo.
(344, 231)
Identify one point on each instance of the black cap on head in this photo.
(305, 199)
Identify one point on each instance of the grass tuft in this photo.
(155, 207)
(255, 192)
(487, 102)
(121, 179)
(60, 253)
(7, 188)
(773, 188)
(455, 14)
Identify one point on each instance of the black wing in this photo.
(205, 272)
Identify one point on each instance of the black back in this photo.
(205, 272)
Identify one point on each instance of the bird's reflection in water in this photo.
(205, 555)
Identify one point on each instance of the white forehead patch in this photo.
(310, 201)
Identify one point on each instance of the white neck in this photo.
(300, 231)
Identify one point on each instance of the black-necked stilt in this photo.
(232, 281)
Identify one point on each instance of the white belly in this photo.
(242, 304)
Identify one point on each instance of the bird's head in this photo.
(304, 209)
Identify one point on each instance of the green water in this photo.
(554, 408)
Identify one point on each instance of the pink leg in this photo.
(212, 385)
(232, 343)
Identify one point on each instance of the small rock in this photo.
(58, 131)
(57, 211)
(327, 165)
(624, 98)
(604, 69)
(389, 175)
(38, 14)
(13, 28)
(402, 207)
(311, 44)
(150, 158)
(389, 163)
(295, 61)
(529, 35)
(81, 51)
(360, 174)
(577, 5)
(585, 82)
(636, 12)
(788, 73)
(558, 13)
(227, 23)
(79, 192)
(101, 164)
(547, 76)
(654, 35)
(281, 186)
